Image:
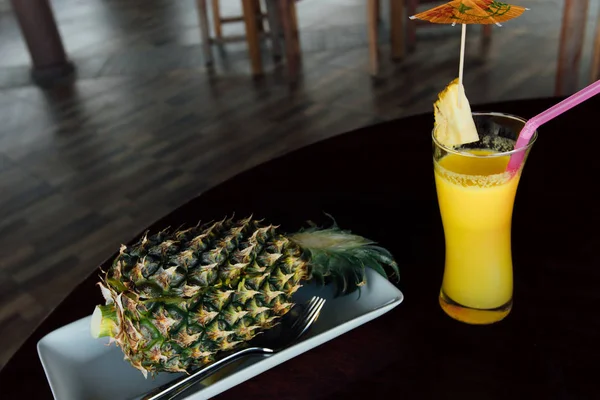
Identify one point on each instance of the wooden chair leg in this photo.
(274, 28)
(289, 23)
(411, 30)
(217, 19)
(571, 43)
(295, 29)
(397, 30)
(204, 31)
(252, 36)
(596, 58)
(258, 12)
(372, 18)
(486, 32)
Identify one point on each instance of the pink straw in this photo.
(551, 113)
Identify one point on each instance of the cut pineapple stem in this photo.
(104, 321)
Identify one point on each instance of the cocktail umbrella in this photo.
(470, 12)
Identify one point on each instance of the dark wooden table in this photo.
(378, 182)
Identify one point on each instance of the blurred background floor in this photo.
(145, 126)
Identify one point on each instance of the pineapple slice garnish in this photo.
(454, 123)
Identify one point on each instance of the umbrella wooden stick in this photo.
(461, 64)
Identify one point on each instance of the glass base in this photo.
(473, 316)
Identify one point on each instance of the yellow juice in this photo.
(476, 198)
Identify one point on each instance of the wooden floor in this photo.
(145, 127)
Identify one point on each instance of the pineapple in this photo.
(454, 123)
(175, 300)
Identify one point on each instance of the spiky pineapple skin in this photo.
(184, 296)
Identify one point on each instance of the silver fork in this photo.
(292, 326)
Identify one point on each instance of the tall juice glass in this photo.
(476, 196)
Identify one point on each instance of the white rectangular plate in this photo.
(79, 367)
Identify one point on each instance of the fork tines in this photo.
(309, 314)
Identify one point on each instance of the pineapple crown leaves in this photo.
(337, 256)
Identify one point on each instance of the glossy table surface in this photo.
(378, 182)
